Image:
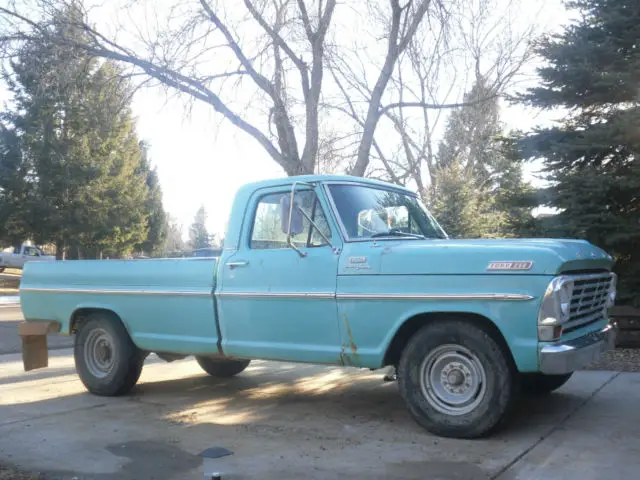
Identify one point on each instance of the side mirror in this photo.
(291, 218)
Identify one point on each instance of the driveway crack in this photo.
(47, 415)
(552, 430)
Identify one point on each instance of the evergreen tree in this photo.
(157, 222)
(469, 137)
(462, 206)
(14, 200)
(593, 158)
(79, 153)
(198, 235)
(479, 190)
(515, 197)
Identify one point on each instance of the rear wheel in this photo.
(541, 384)
(1, 269)
(456, 380)
(107, 361)
(222, 367)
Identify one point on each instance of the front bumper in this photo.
(572, 355)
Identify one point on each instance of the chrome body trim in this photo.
(327, 295)
(569, 356)
(380, 296)
(429, 296)
(108, 291)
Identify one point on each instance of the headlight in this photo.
(555, 309)
(611, 296)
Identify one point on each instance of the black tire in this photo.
(222, 367)
(541, 384)
(1, 269)
(470, 347)
(120, 364)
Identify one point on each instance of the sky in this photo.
(202, 159)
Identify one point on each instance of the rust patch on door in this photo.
(349, 352)
(352, 345)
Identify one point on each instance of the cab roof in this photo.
(321, 179)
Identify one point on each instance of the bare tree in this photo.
(457, 46)
(179, 49)
(259, 63)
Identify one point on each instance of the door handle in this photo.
(237, 264)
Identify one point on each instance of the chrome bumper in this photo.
(575, 354)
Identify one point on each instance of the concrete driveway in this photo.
(285, 421)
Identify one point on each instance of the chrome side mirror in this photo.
(291, 218)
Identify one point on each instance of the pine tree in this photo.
(462, 206)
(157, 221)
(80, 155)
(514, 197)
(14, 200)
(479, 188)
(198, 235)
(470, 132)
(593, 157)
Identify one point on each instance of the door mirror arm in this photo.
(290, 220)
(315, 225)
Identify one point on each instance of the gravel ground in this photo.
(620, 359)
(10, 473)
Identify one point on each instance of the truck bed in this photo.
(165, 304)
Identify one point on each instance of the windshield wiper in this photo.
(397, 233)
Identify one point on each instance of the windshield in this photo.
(370, 212)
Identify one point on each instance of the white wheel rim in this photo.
(99, 353)
(452, 379)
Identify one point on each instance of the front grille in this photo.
(589, 299)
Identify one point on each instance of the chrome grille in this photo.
(589, 299)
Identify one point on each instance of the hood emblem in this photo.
(358, 263)
(523, 265)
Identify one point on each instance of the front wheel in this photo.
(456, 380)
(107, 361)
(222, 367)
(541, 384)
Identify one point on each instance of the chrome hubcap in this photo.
(452, 379)
(99, 353)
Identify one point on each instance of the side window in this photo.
(31, 252)
(267, 224)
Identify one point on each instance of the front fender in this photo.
(370, 324)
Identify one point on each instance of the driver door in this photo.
(274, 302)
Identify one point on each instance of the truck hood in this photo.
(446, 257)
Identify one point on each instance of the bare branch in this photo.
(396, 44)
(274, 35)
(435, 106)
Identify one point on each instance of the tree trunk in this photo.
(60, 250)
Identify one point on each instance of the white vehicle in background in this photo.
(18, 256)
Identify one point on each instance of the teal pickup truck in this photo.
(340, 271)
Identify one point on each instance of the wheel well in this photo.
(80, 316)
(415, 323)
